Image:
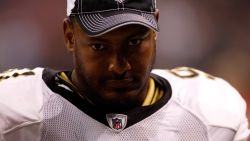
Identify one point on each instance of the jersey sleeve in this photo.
(226, 109)
(242, 133)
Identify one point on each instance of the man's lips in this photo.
(117, 84)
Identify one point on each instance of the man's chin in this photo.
(120, 94)
(121, 98)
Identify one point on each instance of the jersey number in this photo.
(186, 72)
(15, 73)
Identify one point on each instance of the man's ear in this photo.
(157, 14)
(157, 19)
(68, 34)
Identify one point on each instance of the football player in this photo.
(113, 93)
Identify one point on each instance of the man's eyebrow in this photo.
(142, 33)
(98, 39)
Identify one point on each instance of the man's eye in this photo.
(134, 42)
(97, 46)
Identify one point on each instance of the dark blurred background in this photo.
(211, 35)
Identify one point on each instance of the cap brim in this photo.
(96, 24)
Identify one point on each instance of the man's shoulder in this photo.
(210, 98)
(20, 80)
(21, 98)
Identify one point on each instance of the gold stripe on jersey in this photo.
(150, 94)
(63, 76)
(153, 95)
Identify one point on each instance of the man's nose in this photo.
(119, 64)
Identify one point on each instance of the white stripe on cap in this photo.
(98, 24)
(70, 6)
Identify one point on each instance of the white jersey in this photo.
(36, 106)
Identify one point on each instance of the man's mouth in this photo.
(120, 84)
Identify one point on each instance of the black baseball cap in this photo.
(98, 17)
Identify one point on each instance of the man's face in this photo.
(112, 70)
